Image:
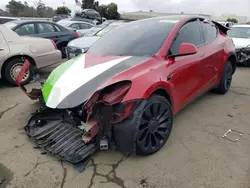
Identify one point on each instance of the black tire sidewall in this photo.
(151, 100)
(62, 48)
(222, 89)
(7, 69)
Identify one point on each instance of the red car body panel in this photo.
(191, 75)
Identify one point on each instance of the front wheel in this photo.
(155, 126)
(226, 79)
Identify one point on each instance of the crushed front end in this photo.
(74, 134)
(243, 55)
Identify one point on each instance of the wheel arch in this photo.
(162, 92)
(32, 61)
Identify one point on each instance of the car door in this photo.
(47, 30)
(75, 26)
(26, 29)
(85, 26)
(213, 54)
(184, 71)
(90, 13)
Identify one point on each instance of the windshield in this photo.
(105, 30)
(93, 31)
(10, 25)
(139, 38)
(63, 23)
(239, 32)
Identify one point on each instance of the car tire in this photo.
(155, 126)
(226, 79)
(62, 48)
(12, 69)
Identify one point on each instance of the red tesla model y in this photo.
(129, 85)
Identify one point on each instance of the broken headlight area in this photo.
(75, 134)
(243, 55)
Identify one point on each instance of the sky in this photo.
(215, 7)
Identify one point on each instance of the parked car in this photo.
(80, 27)
(226, 23)
(79, 19)
(4, 19)
(90, 14)
(59, 17)
(241, 38)
(14, 49)
(124, 92)
(81, 45)
(44, 29)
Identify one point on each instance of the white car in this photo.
(80, 27)
(241, 38)
(15, 49)
(226, 23)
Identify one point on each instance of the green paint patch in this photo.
(54, 76)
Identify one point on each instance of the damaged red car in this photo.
(124, 92)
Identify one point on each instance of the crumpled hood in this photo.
(83, 42)
(74, 81)
(241, 42)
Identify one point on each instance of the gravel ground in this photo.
(195, 155)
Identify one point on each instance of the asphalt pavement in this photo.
(195, 156)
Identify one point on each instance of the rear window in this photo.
(10, 25)
(139, 38)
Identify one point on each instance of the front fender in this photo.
(139, 90)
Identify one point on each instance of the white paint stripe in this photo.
(75, 77)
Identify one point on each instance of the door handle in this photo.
(1, 49)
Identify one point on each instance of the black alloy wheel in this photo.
(155, 126)
(226, 79)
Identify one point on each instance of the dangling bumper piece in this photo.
(58, 137)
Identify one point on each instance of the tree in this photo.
(63, 10)
(89, 4)
(103, 10)
(15, 7)
(109, 11)
(232, 20)
(4, 13)
(19, 9)
(112, 11)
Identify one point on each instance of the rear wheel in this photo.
(155, 125)
(12, 69)
(226, 79)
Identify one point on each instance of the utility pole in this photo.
(63, 2)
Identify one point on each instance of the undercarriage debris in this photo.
(243, 56)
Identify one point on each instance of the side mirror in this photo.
(187, 49)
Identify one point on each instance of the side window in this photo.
(26, 29)
(75, 26)
(45, 28)
(190, 33)
(85, 26)
(57, 28)
(210, 31)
